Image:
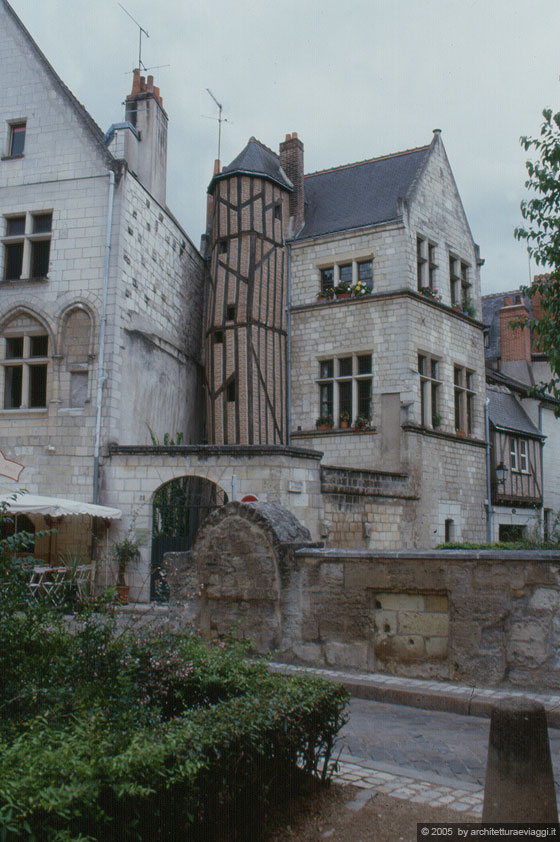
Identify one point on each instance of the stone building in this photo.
(525, 432)
(385, 350)
(101, 289)
(113, 324)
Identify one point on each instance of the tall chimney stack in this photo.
(144, 109)
(291, 160)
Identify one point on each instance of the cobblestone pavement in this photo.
(431, 757)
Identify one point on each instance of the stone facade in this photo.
(477, 617)
(443, 457)
(106, 277)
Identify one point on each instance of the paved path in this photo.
(427, 757)
(431, 747)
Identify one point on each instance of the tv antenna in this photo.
(219, 119)
(141, 30)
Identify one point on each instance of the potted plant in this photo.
(468, 307)
(124, 552)
(436, 420)
(343, 290)
(360, 289)
(326, 294)
(361, 424)
(344, 420)
(430, 292)
(324, 422)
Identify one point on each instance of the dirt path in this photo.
(347, 814)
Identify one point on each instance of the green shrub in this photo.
(112, 738)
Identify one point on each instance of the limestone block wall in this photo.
(154, 323)
(437, 214)
(385, 245)
(477, 617)
(132, 474)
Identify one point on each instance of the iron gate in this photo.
(179, 508)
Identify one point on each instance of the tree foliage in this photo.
(541, 213)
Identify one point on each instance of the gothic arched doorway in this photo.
(179, 507)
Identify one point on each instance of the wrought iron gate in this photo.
(179, 508)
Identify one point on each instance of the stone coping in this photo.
(504, 556)
(205, 450)
(468, 700)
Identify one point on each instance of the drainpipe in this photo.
(488, 478)
(289, 350)
(542, 473)
(101, 365)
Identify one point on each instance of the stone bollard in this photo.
(519, 785)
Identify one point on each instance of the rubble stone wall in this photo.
(480, 617)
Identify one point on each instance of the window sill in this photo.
(12, 157)
(25, 410)
(12, 281)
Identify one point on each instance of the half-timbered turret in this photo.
(246, 318)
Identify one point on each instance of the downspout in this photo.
(488, 479)
(542, 472)
(102, 327)
(289, 351)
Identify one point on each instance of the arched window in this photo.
(75, 347)
(24, 364)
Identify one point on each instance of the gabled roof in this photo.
(85, 118)
(506, 413)
(360, 194)
(256, 159)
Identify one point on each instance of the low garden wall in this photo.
(474, 616)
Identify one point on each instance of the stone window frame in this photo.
(426, 266)
(459, 280)
(463, 399)
(431, 386)
(29, 247)
(32, 367)
(336, 271)
(15, 138)
(340, 388)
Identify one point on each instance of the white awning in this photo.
(32, 504)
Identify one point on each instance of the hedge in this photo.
(169, 739)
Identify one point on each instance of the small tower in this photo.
(246, 318)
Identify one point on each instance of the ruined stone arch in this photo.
(236, 579)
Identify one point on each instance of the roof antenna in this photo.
(141, 29)
(219, 118)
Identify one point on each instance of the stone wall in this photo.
(477, 617)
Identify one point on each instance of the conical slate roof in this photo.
(256, 159)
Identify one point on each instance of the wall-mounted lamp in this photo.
(501, 474)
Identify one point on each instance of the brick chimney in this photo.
(291, 160)
(148, 158)
(515, 342)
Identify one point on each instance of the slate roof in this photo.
(506, 413)
(256, 159)
(356, 195)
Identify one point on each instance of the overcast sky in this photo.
(374, 77)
